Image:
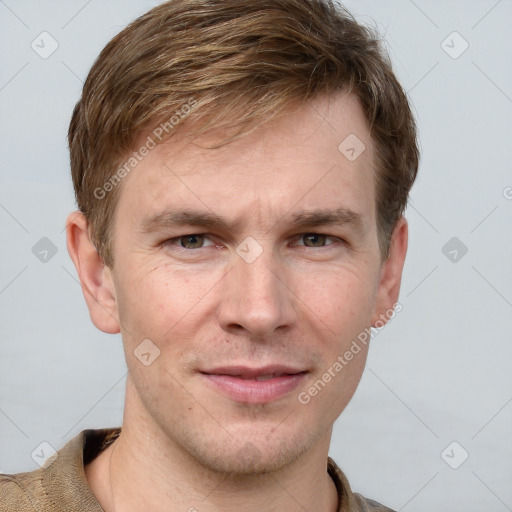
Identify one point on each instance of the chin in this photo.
(251, 453)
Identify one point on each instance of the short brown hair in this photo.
(241, 62)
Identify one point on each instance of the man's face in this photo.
(227, 261)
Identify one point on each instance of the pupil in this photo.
(315, 240)
(192, 241)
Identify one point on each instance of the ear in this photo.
(95, 278)
(391, 274)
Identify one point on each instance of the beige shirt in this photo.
(60, 485)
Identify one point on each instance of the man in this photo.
(241, 170)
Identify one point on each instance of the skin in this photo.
(184, 445)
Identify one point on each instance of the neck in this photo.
(145, 470)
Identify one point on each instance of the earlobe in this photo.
(95, 278)
(391, 275)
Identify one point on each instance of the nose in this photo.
(256, 298)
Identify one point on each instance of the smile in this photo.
(254, 386)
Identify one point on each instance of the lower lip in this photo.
(254, 391)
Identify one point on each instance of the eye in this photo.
(315, 240)
(195, 241)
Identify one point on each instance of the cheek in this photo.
(154, 300)
(342, 299)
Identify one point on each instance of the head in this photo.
(276, 134)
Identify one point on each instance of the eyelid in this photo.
(310, 233)
(175, 241)
(208, 238)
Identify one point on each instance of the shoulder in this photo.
(22, 491)
(60, 484)
(367, 505)
(349, 501)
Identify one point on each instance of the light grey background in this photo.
(439, 372)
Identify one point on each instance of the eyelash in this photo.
(175, 241)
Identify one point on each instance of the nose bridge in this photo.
(255, 298)
(259, 277)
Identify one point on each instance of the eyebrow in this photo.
(326, 217)
(301, 219)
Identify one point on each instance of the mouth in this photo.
(255, 385)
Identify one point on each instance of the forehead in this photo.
(318, 155)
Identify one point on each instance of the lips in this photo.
(246, 372)
(254, 385)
